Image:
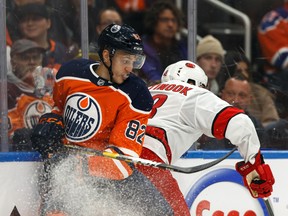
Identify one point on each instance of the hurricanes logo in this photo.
(33, 112)
(82, 117)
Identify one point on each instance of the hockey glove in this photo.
(21, 140)
(257, 177)
(47, 134)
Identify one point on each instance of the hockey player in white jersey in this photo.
(184, 110)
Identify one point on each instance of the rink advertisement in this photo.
(217, 191)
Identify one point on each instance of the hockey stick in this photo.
(146, 162)
(268, 206)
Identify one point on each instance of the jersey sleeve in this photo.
(200, 110)
(216, 118)
(242, 133)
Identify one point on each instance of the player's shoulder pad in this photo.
(79, 68)
(138, 92)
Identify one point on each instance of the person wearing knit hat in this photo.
(210, 44)
(210, 56)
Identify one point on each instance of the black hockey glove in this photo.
(47, 134)
(21, 140)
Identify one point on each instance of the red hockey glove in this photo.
(257, 177)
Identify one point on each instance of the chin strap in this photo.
(109, 68)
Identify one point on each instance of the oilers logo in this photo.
(33, 112)
(82, 117)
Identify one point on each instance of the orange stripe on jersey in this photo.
(222, 119)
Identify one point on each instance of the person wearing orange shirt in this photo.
(272, 37)
(27, 100)
(103, 106)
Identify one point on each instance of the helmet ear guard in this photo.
(185, 71)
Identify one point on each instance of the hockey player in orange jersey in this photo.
(104, 106)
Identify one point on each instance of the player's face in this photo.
(122, 66)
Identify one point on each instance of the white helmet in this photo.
(185, 71)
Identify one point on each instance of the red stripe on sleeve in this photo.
(160, 134)
(222, 119)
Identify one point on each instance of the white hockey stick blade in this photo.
(146, 162)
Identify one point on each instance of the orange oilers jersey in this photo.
(273, 37)
(98, 113)
(24, 109)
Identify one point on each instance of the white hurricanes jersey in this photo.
(183, 112)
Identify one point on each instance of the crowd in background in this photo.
(41, 35)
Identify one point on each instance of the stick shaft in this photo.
(269, 207)
(146, 162)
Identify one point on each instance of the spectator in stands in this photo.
(210, 57)
(106, 17)
(262, 105)
(237, 92)
(162, 23)
(34, 23)
(272, 36)
(59, 31)
(133, 12)
(71, 13)
(29, 91)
